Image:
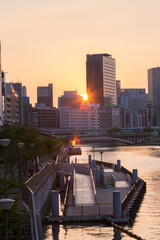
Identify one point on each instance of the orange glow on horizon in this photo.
(85, 97)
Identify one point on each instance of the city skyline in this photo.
(47, 41)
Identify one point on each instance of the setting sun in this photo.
(85, 97)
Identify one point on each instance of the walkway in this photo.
(84, 192)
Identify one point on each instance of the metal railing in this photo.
(36, 181)
(92, 183)
(29, 201)
(130, 194)
(74, 184)
(102, 209)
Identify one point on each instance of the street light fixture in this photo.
(36, 167)
(93, 151)
(5, 205)
(4, 143)
(20, 145)
(101, 152)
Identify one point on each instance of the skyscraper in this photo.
(45, 95)
(18, 89)
(154, 87)
(1, 111)
(101, 79)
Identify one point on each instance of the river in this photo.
(147, 222)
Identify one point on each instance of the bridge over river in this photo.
(128, 138)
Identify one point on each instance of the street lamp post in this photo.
(4, 143)
(20, 145)
(5, 205)
(32, 146)
(101, 152)
(93, 152)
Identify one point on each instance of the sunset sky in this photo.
(46, 41)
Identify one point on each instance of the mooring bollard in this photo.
(101, 176)
(118, 165)
(94, 164)
(89, 159)
(61, 180)
(68, 159)
(135, 175)
(55, 203)
(97, 176)
(116, 205)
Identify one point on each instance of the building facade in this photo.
(112, 116)
(11, 104)
(70, 99)
(75, 113)
(45, 117)
(101, 79)
(133, 99)
(154, 92)
(45, 95)
(1, 98)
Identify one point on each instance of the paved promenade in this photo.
(84, 193)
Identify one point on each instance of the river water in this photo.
(147, 222)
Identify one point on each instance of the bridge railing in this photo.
(126, 171)
(93, 183)
(102, 209)
(82, 168)
(106, 164)
(114, 166)
(130, 194)
(74, 184)
(36, 180)
(29, 201)
(66, 194)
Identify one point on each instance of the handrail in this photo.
(113, 180)
(67, 189)
(130, 194)
(92, 209)
(66, 194)
(74, 183)
(92, 182)
(34, 215)
(32, 206)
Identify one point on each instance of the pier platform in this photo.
(90, 193)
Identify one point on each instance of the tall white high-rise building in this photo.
(101, 79)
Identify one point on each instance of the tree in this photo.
(114, 130)
(16, 218)
(147, 129)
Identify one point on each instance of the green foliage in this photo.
(147, 129)
(35, 144)
(6, 184)
(114, 130)
(136, 130)
(16, 218)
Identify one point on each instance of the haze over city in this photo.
(47, 41)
